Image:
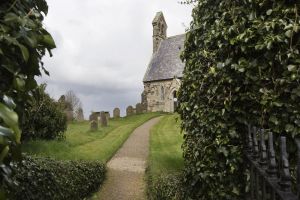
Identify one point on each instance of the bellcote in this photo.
(159, 30)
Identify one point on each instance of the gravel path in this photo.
(126, 170)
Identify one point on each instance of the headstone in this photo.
(80, 116)
(116, 113)
(103, 119)
(94, 125)
(139, 108)
(107, 115)
(94, 116)
(129, 111)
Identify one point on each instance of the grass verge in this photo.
(165, 160)
(165, 147)
(82, 144)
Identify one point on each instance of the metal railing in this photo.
(270, 174)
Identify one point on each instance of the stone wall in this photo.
(159, 95)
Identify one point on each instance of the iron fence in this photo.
(270, 174)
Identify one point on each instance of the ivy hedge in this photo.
(23, 43)
(242, 66)
(45, 178)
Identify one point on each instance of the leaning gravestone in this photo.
(94, 125)
(139, 108)
(129, 111)
(103, 119)
(116, 113)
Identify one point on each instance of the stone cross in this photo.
(94, 125)
(116, 113)
(129, 111)
(103, 119)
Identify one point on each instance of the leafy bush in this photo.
(165, 187)
(45, 178)
(242, 66)
(43, 118)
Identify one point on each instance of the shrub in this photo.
(242, 66)
(43, 117)
(45, 178)
(165, 187)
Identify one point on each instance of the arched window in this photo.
(162, 93)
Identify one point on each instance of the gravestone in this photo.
(139, 108)
(80, 116)
(116, 113)
(129, 111)
(103, 119)
(107, 115)
(94, 125)
(94, 116)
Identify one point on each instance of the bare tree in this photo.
(75, 105)
(73, 100)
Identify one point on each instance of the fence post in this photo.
(285, 176)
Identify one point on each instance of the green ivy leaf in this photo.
(289, 128)
(289, 33)
(269, 12)
(48, 40)
(291, 68)
(10, 118)
(25, 52)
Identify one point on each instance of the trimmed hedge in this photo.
(45, 178)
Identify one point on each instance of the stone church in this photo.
(163, 76)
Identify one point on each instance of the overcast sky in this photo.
(104, 47)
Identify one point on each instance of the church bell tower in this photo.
(159, 30)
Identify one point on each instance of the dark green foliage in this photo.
(242, 65)
(43, 117)
(166, 187)
(45, 178)
(23, 43)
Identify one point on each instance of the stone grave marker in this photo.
(107, 114)
(103, 119)
(94, 125)
(116, 113)
(129, 111)
(139, 108)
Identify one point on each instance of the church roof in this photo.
(166, 63)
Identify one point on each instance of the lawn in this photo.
(80, 143)
(165, 147)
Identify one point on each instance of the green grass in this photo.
(165, 147)
(82, 144)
